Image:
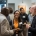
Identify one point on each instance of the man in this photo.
(23, 15)
(4, 24)
(24, 19)
(11, 13)
(32, 28)
(30, 17)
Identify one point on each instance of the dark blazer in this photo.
(33, 27)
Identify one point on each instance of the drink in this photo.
(28, 23)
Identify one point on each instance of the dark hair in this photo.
(29, 7)
(19, 20)
(11, 10)
(21, 9)
(5, 11)
(16, 11)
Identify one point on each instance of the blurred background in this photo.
(16, 4)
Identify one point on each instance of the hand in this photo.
(24, 23)
(18, 28)
(28, 26)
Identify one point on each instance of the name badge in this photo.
(23, 16)
(20, 23)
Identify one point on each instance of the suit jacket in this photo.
(5, 27)
(33, 27)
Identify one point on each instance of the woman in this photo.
(16, 22)
(4, 24)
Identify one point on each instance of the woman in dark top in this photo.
(16, 22)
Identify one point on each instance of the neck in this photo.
(15, 19)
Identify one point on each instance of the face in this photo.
(22, 10)
(33, 11)
(16, 15)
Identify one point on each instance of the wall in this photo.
(18, 2)
(33, 1)
(28, 3)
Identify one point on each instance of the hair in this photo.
(29, 7)
(16, 11)
(19, 20)
(5, 11)
(11, 10)
(21, 9)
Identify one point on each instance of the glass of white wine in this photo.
(28, 23)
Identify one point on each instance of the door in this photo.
(12, 5)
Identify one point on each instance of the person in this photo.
(10, 16)
(30, 17)
(7, 15)
(32, 28)
(16, 23)
(24, 19)
(11, 13)
(11, 10)
(4, 25)
(23, 15)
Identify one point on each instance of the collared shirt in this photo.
(33, 26)
(30, 17)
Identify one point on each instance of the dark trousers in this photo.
(29, 34)
(18, 34)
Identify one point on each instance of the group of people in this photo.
(9, 27)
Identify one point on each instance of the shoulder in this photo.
(2, 17)
(35, 17)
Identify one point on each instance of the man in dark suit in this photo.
(32, 28)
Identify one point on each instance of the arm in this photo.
(33, 28)
(5, 28)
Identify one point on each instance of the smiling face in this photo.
(31, 10)
(16, 15)
(35, 10)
